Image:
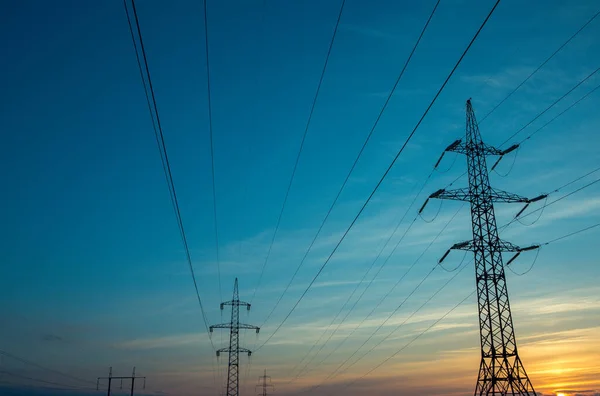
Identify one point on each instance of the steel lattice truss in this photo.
(234, 348)
(501, 371)
(265, 384)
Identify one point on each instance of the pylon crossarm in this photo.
(459, 147)
(466, 245)
(219, 351)
(449, 148)
(505, 246)
(506, 197)
(504, 152)
(466, 148)
(490, 150)
(229, 350)
(460, 194)
(500, 246)
(244, 350)
(220, 326)
(463, 194)
(513, 258)
(532, 200)
(532, 247)
(249, 327)
(236, 302)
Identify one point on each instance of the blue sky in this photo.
(93, 269)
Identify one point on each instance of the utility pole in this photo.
(501, 371)
(110, 378)
(234, 348)
(264, 384)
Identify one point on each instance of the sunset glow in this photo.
(303, 148)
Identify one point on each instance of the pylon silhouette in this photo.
(501, 371)
(264, 385)
(234, 348)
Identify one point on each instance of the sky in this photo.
(94, 273)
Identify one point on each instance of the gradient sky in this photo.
(93, 269)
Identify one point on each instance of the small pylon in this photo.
(234, 348)
(264, 385)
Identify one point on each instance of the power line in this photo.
(518, 145)
(571, 234)
(556, 190)
(389, 292)
(540, 66)
(339, 193)
(560, 114)
(417, 337)
(537, 254)
(389, 256)
(555, 201)
(387, 170)
(548, 243)
(576, 180)
(430, 298)
(335, 373)
(552, 105)
(364, 145)
(28, 362)
(396, 353)
(162, 146)
(411, 315)
(541, 209)
(381, 300)
(352, 332)
(212, 153)
(156, 134)
(312, 109)
(44, 381)
(351, 295)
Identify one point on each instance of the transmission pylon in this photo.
(110, 378)
(501, 371)
(234, 348)
(264, 385)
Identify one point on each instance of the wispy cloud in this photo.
(575, 208)
(507, 78)
(174, 341)
(52, 338)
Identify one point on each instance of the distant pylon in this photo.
(234, 340)
(110, 378)
(501, 371)
(264, 385)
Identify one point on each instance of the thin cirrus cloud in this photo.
(173, 341)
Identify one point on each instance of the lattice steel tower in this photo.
(234, 340)
(501, 371)
(266, 383)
